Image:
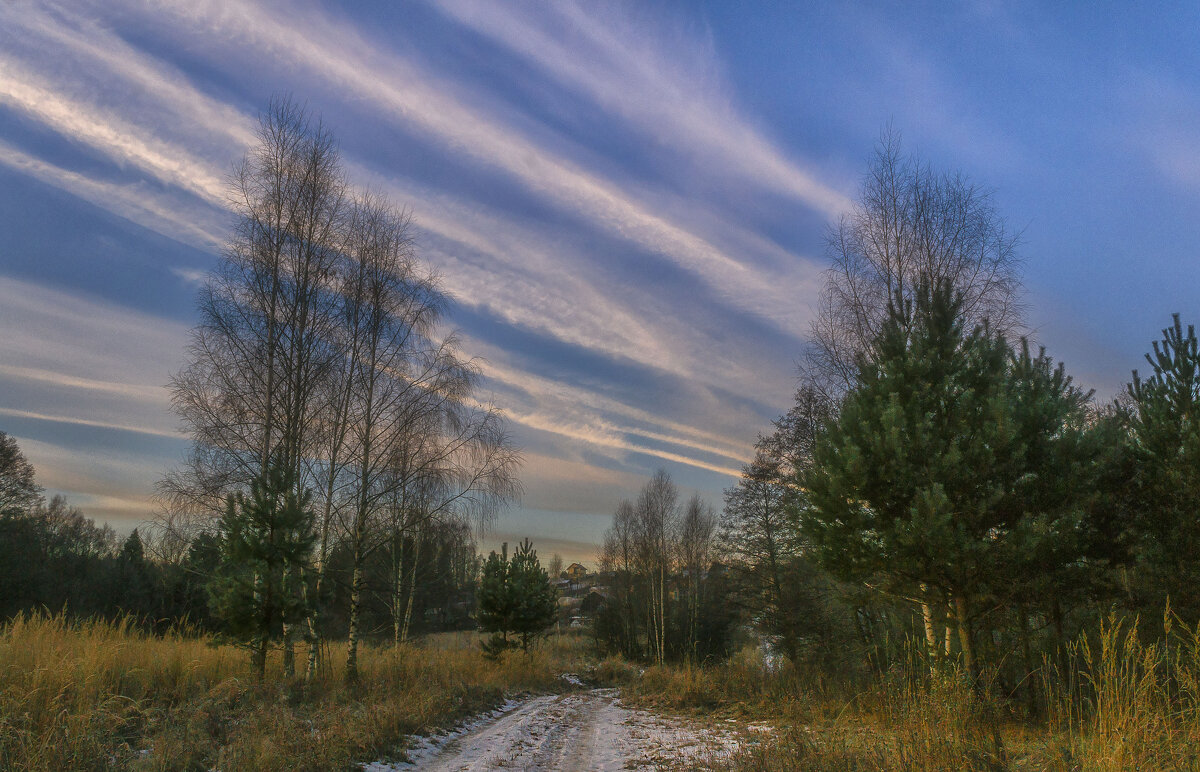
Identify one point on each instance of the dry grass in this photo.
(1116, 703)
(1125, 704)
(934, 722)
(99, 695)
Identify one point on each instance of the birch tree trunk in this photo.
(398, 589)
(931, 641)
(964, 636)
(412, 586)
(352, 635)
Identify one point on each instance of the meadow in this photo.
(100, 695)
(1117, 700)
(103, 695)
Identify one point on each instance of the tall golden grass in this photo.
(934, 721)
(104, 695)
(1118, 703)
(101, 695)
(1115, 701)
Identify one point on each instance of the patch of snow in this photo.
(762, 728)
(421, 748)
(589, 730)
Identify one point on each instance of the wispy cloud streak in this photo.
(110, 135)
(65, 419)
(345, 62)
(168, 142)
(626, 73)
(154, 210)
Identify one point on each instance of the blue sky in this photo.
(626, 200)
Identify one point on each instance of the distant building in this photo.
(592, 602)
(575, 572)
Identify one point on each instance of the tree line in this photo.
(54, 559)
(667, 591)
(341, 459)
(938, 477)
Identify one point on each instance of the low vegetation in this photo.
(104, 695)
(1120, 700)
(107, 695)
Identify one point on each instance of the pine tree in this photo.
(495, 604)
(1050, 553)
(1164, 423)
(533, 597)
(515, 597)
(948, 471)
(266, 542)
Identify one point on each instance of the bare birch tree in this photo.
(618, 558)
(417, 437)
(657, 533)
(259, 353)
(391, 311)
(910, 225)
(319, 348)
(696, 531)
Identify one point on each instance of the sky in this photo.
(627, 202)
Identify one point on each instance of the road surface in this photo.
(588, 731)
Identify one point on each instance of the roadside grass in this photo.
(1116, 702)
(102, 695)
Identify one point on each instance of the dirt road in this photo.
(581, 731)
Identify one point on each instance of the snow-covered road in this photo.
(589, 731)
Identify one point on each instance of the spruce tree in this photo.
(266, 542)
(136, 592)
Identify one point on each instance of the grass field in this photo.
(1120, 704)
(99, 695)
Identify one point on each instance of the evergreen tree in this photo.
(533, 597)
(266, 542)
(947, 472)
(1164, 423)
(515, 597)
(132, 550)
(136, 593)
(496, 610)
(1050, 553)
